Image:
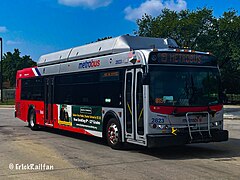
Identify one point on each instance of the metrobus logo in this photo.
(89, 64)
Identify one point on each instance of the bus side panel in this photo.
(77, 130)
(17, 99)
(55, 116)
(17, 93)
(39, 109)
(22, 108)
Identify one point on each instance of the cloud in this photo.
(92, 4)
(3, 29)
(153, 7)
(10, 42)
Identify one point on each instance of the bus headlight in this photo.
(159, 126)
(216, 123)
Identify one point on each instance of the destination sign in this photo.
(182, 58)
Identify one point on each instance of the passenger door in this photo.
(139, 107)
(48, 101)
(134, 111)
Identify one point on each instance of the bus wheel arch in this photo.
(32, 118)
(111, 125)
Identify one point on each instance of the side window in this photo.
(32, 89)
(111, 94)
(63, 90)
(77, 89)
(111, 91)
(92, 88)
(86, 94)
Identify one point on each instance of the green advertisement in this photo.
(87, 117)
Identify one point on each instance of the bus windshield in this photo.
(184, 86)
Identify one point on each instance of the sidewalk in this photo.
(231, 112)
(7, 106)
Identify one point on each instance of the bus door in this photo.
(134, 111)
(48, 101)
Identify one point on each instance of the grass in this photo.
(8, 102)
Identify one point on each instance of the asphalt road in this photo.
(75, 156)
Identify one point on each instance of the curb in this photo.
(237, 119)
(7, 106)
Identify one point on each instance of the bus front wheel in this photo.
(114, 134)
(32, 120)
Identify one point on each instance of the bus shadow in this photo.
(74, 135)
(225, 151)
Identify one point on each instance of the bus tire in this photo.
(32, 120)
(113, 134)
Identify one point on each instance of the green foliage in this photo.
(105, 38)
(200, 30)
(12, 62)
(228, 50)
(186, 27)
(8, 102)
(101, 39)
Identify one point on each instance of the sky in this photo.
(38, 27)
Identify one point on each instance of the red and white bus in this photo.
(137, 90)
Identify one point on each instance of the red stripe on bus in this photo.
(171, 109)
(77, 130)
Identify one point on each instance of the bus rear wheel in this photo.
(32, 120)
(113, 134)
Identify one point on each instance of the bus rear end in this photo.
(185, 103)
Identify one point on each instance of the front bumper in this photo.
(162, 140)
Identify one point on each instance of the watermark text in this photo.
(32, 166)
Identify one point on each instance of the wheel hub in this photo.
(31, 120)
(113, 133)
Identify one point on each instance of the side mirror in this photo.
(145, 79)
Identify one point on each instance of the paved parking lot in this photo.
(232, 112)
(80, 157)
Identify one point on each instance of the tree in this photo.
(105, 38)
(102, 39)
(12, 62)
(200, 30)
(228, 50)
(186, 27)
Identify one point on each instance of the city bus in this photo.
(128, 89)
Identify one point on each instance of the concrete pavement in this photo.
(76, 156)
(7, 106)
(232, 112)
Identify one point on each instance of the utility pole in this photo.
(1, 69)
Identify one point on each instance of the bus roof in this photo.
(110, 46)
